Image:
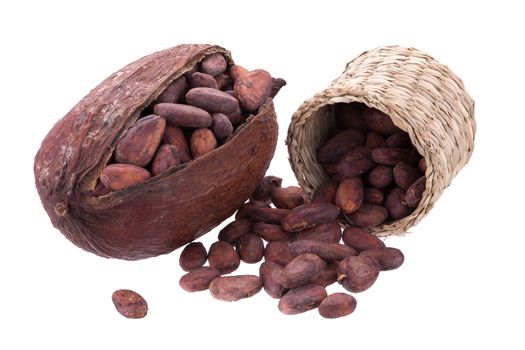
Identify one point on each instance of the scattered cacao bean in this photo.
(166, 157)
(325, 193)
(369, 215)
(214, 64)
(174, 136)
(288, 197)
(223, 257)
(250, 248)
(193, 256)
(119, 176)
(253, 88)
(373, 195)
(221, 126)
(326, 251)
(360, 240)
(399, 139)
(301, 270)
(199, 79)
(329, 232)
(392, 156)
(374, 140)
(263, 192)
(129, 304)
(246, 209)
(395, 204)
(302, 299)
(235, 229)
(177, 114)
(381, 176)
(199, 279)
(356, 162)
(358, 273)
(175, 92)
(270, 274)
(202, 141)
(271, 232)
(405, 175)
(388, 258)
(212, 100)
(414, 193)
(328, 276)
(268, 215)
(278, 252)
(337, 305)
(233, 288)
(333, 150)
(349, 195)
(309, 215)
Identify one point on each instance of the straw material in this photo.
(422, 96)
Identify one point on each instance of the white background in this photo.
(461, 284)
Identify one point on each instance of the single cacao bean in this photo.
(392, 156)
(358, 273)
(177, 114)
(399, 139)
(360, 240)
(422, 165)
(263, 192)
(381, 176)
(271, 274)
(199, 279)
(379, 122)
(202, 141)
(334, 149)
(268, 215)
(374, 140)
(288, 197)
(167, 156)
(223, 257)
(119, 176)
(395, 204)
(193, 256)
(129, 304)
(325, 193)
(173, 135)
(405, 175)
(233, 288)
(214, 64)
(329, 275)
(250, 248)
(349, 195)
(309, 215)
(236, 229)
(246, 209)
(253, 88)
(414, 193)
(337, 305)
(373, 195)
(302, 270)
(329, 232)
(356, 162)
(278, 252)
(326, 251)
(271, 232)
(302, 299)
(368, 215)
(221, 125)
(388, 258)
(212, 100)
(236, 71)
(199, 79)
(175, 92)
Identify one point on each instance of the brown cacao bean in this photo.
(334, 149)
(414, 193)
(173, 135)
(373, 195)
(358, 273)
(381, 176)
(270, 274)
(326, 251)
(360, 240)
(422, 165)
(236, 71)
(139, 144)
(202, 141)
(223, 257)
(356, 162)
(349, 195)
(193, 256)
(268, 215)
(395, 204)
(175, 92)
(199, 79)
(221, 125)
(119, 176)
(329, 275)
(278, 252)
(263, 192)
(250, 248)
(399, 139)
(246, 209)
(253, 88)
(301, 270)
(325, 193)
(166, 157)
(337, 305)
(331, 168)
(392, 156)
(212, 100)
(199, 279)
(288, 197)
(405, 175)
(329, 232)
(183, 115)
(368, 215)
(302, 299)
(374, 140)
(233, 288)
(388, 258)
(271, 232)
(129, 304)
(349, 116)
(236, 229)
(379, 122)
(214, 64)
(309, 215)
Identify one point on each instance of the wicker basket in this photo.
(422, 96)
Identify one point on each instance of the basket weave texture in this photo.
(422, 96)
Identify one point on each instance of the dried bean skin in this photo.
(337, 305)
(302, 299)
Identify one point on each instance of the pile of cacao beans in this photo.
(198, 112)
(377, 174)
(299, 241)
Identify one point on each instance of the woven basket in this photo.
(422, 96)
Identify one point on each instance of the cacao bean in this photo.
(166, 157)
(268, 215)
(392, 156)
(301, 270)
(358, 273)
(349, 116)
(193, 256)
(199, 279)
(270, 274)
(368, 215)
(379, 122)
(328, 276)
(302, 299)
(119, 176)
(356, 162)
(399, 139)
(175, 92)
(331, 168)
(309, 215)
(337, 305)
(334, 149)
(139, 144)
(223, 257)
(326, 251)
(202, 141)
(235, 229)
(246, 209)
(422, 165)
(221, 125)
(250, 248)
(349, 195)
(129, 304)
(360, 240)
(253, 88)
(387, 258)
(395, 204)
(174, 136)
(263, 192)
(177, 114)
(325, 193)
(329, 232)
(212, 100)
(288, 197)
(271, 232)
(199, 79)
(233, 288)
(405, 175)
(374, 140)
(214, 64)
(278, 252)
(373, 196)
(381, 176)
(414, 193)
(236, 71)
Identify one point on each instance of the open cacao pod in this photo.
(165, 211)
